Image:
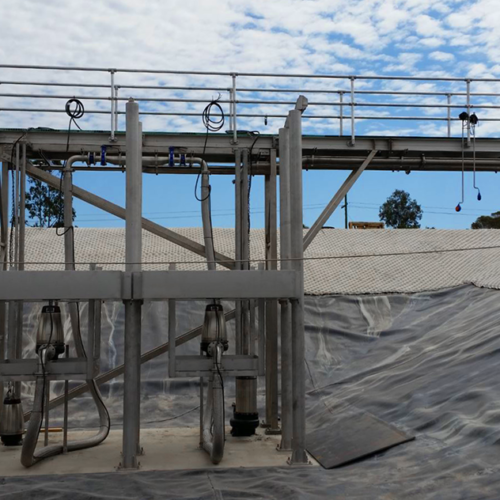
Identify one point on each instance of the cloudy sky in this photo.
(357, 37)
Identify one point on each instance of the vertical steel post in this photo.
(4, 233)
(271, 304)
(116, 107)
(299, 455)
(20, 259)
(341, 124)
(286, 330)
(65, 421)
(353, 131)
(16, 209)
(90, 339)
(246, 387)
(172, 326)
(468, 112)
(235, 124)
(237, 243)
(113, 104)
(47, 409)
(448, 97)
(133, 257)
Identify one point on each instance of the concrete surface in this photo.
(164, 449)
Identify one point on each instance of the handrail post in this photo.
(468, 111)
(113, 105)
(341, 119)
(235, 126)
(449, 114)
(353, 132)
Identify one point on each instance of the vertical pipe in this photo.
(206, 217)
(245, 248)
(22, 211)
(12, 320)
(97, 330)
(271, 304)
(113, 105)
(261, 319)
(286, 378)
(341, 124)
(16, 210)
(20, 259)
(46, 407)
(90, 339)
(65, 424)
(69, 250)
(353, 131)
(237, 243)
(299, 455)
(286, 332)
(235, 125)
(172, 324)
(468, 112)
(449, 114)
(4, 233)
(133, 256)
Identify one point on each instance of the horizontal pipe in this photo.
(267, 102)
(275, 90)
(251, 115)
(263, 75)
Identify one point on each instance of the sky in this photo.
(424, 38)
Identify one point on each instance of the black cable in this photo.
(74, 114)
(211, 125)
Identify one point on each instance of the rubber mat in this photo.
(352, 436)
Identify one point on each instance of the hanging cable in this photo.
(74, 114)
(465, 124)
(473, 122)
(211, 124)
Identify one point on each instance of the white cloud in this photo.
(442, 56)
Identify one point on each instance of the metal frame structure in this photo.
(246, 286)
(273, 291)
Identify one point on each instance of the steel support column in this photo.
(299, 455)
(286, 332)
(272, 304)
(133, 308)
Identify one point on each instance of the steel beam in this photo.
(299, 455)
(120, 212)
(286, 332)
(220, 147)
(133, 308)
(271, 252)
(336, 200)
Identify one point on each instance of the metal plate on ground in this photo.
(352, 437)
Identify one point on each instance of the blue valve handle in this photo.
(103, 155)
(171, 156)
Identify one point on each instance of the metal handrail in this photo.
(233, 102)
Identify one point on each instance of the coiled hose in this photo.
(29, 455)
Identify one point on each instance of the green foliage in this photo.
(400, 211)
(45, 205)
(487, 221)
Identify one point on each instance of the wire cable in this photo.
(74, 114)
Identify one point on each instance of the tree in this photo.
(45, 205)
(400, 211)
(487, 221)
